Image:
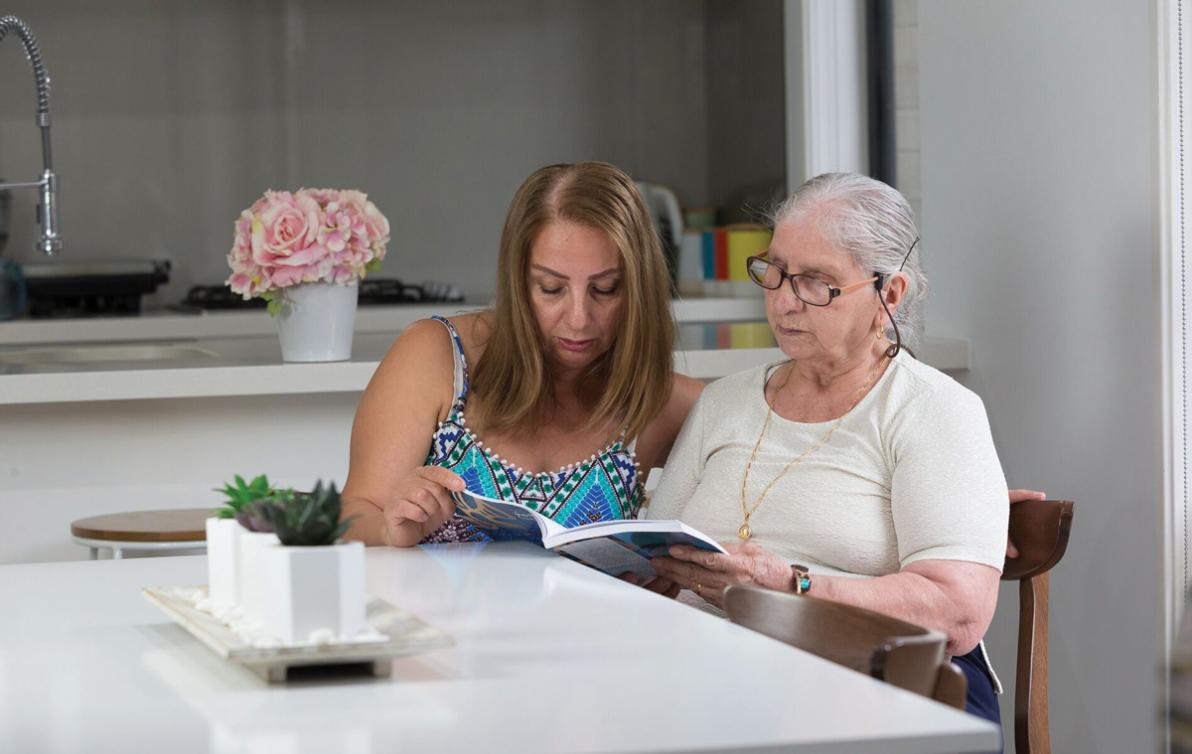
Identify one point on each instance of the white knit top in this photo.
(910, 474)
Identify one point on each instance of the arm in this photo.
(948, 503)
(684, 464)
(394, 499)
(656, 441)
(954, 597)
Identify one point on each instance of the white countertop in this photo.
(170, 326)
(215, 354)
(213, 367)
(549, 656)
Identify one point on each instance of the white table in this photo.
(549, 656)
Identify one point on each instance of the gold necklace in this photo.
(744, 533)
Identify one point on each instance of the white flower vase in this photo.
(223, 561)
(317, 321)
(254, 585)
(315, 593)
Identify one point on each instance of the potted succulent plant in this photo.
(223, 538)
(315, 582)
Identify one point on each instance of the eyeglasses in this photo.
(809, 290)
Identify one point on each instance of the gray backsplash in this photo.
(171, 117)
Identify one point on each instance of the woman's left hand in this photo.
(709, 573)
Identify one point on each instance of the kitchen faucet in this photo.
(47, 211)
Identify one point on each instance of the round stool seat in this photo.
(143, 530)
(181, 525)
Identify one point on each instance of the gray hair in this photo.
(873, 223)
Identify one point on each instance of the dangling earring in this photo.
(879, 334)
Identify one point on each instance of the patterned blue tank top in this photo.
(600, 488)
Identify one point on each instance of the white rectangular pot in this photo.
(223, 561)
(314, 589)
(254, 585)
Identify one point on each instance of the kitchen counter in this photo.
(218, 367)
(173, 326)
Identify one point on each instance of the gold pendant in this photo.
(744, 533)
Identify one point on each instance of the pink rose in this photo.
(284, 230)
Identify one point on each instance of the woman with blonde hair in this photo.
(555, 398)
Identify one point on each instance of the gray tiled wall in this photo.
(172, 116)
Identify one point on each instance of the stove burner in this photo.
(373, 291)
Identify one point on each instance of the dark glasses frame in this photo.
(784, 276)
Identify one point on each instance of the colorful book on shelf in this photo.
(742, 242)
(615, 547)
(724, 251)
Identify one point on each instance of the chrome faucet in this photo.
(47, 212)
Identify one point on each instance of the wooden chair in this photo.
(900, 653)
(1039, 529)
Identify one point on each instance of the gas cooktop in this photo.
(373, 291)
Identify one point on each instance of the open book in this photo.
(615, 547)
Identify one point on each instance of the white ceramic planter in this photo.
(314, 589)
(223, 561)
(317, 321)
(254, 585)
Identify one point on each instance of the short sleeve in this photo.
(948, 493)
(684, 466)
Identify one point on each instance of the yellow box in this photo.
(745, 241)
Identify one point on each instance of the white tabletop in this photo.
(548, 656)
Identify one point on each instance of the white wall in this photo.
(172, 116)
(1039, 186)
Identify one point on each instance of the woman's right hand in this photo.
(420, 504)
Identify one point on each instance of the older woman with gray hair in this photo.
(852, 458)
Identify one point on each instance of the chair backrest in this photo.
(1040, 530)
(900, 653)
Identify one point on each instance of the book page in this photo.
(503, 520)
(610, 556)
(650, 537)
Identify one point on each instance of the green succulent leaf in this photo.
(238, 494)
(308, 519)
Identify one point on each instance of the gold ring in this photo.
(697, 591)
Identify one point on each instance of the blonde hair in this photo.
(631, 382)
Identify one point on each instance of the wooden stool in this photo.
(180, 529)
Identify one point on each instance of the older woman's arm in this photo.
(955, 597)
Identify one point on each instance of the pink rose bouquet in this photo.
(311, 235)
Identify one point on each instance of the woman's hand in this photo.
(420, 504)
(1018, 496)
(709, 573)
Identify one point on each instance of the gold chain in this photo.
(744, 533)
